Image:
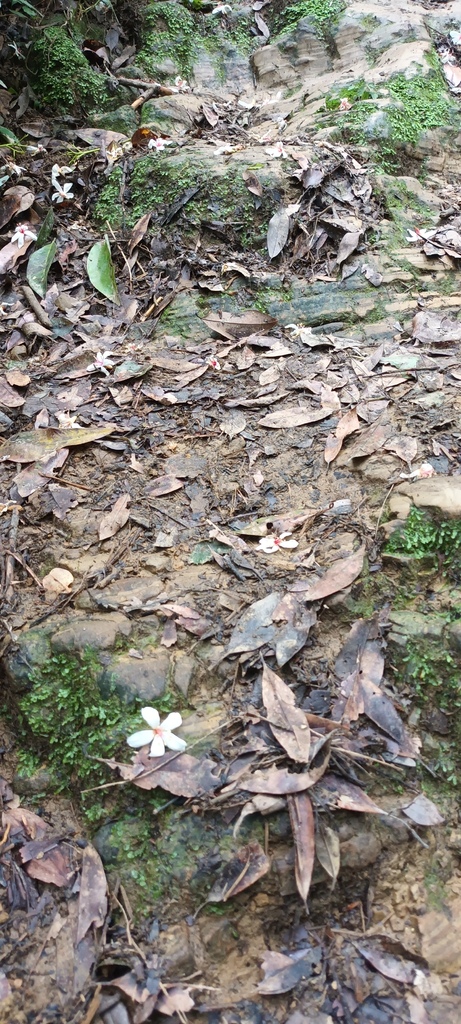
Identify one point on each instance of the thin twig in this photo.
(40, 313)
(19, 558)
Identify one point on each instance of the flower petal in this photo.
(157, 747)
(173, 742)
(151, 716)
(172, 721)
(268, 545)
(283, 535)
(139, 739)
(288, 543)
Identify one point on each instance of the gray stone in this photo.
(134, 679)
(183, 672)
(360, 851)
(416, 624)
(131, 594)
(96, 631)
(201, 730)
(108, 840)
(31, 651)
(442, 493)
(454, 636)
(40, 782)
(121, 120)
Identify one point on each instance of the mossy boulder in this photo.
(61, 76)
(122, 120)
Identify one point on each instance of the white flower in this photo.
(16, 169)
(159, 144)
(276, 151)
(22, 234)
(63, 193)
(271, 543)
(222, 9)
(421, 234)
(213, 363)
(181, 84)
(102, 362)
(223, 147)
(33, 150)
(345, 104)
(160, 734)
(67, 421)
(60, 172)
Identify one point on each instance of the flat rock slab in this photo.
(97, 631)
(136, 679)
(439, 492)
(131, 594)
(415, 624)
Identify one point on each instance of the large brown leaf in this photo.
(40, 444)
(288, 723)
(279, 781)
(180, 774)
(303, 829)
(116, 518)
(341, 574)
(248, 865)
(233, 326)
(282, 972)
(296, 416)
(345, 796)
(92, 900)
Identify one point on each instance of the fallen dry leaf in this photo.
(287, 722)
(282, 973)
(303, 829)
(117, 517)
(164, 485)
(341, 574)
(40, 444)
(423, 811)
(58, 581)
(246, 867)
(92, 900)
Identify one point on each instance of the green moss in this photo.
(170, 34)
(423, 537)
(323, 14)
(66, 723)
(108, 208)
(61, 75)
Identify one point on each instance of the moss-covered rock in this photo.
(123, 120)
(61, 75)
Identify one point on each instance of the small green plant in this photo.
(61, 75)
(423, 537)
(170, 34)
(432, 673)
(323, 13)
(66, 723)
(355, 92)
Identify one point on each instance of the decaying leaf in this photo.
(92, 901)
(342, 573)
(282, 973)
(180, 774)
(423, 811)
(117, 517)
(35, 445)
(296, 416)
(58, 581)
(287, 722)
(246, 868)
(345, 796)
(303, 829)
(277, 233)
(164, 485)
(327, 851)
(232, 326)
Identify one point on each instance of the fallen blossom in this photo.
(22, 234)
(277, 151)
(271, 543)
(223, 147)
(300, 331)
(222, 9)
(181, 84)
(16, 169)
(160, 734)
(3, 308)
(159, 144)
(421, 234)
(213, 363)
(422, 473)
(345, 104)
(63, 193)
(33, 150)
(103, 362)
(60, 172)
(67, 421)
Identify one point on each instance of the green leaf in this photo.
(45, 229)
(100, 270)
(38, 267)
(6, 134)
(203, 551)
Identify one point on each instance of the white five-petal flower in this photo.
(159, 144)
(276, 151)
(67, 421)
(345, 103)
(272, 543)
(63, 192)
(181, 84)
(160, 734)
(22, 234)
(103, 362)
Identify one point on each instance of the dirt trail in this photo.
(283, 351)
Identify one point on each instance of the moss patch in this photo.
(170, 34)
(323, 13)
(108, 208)
(61, 75)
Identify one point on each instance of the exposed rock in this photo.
(122, 120)
(183, 672)
(399, 505)
(96, 631)
(454, 636)
(136, 679)
(130, 594)
(442, 493)
(201, 730)
(31, 651)
(30, 785)
(360, 851)
(415, 624)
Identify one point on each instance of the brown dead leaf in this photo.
(52, 867)
(17, 378)
(92, 901)
(246, 867)
(287, 722)
(435, 328)
(252, 183)
(405, 448)
(210, 115)
(138, 232)
(342, 573)
(35, 445)
(115, 519)
(175, 1000)
(58, 581)
(345, 796)
(9, 398)
(369, 440)
(387, 964)
(282, 973)
(296, 416)
(423, 811)
(180, 774)
(280, 782)
(327, 851)
(164, 485)
(234, 326)
(303, 829)
(15, 200)
(347, 245)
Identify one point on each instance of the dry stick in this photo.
(19, 558)
(147, 95)
(131, 941)
(67, 483)
(34, 304)
(9, 564)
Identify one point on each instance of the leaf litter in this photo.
(303, 756)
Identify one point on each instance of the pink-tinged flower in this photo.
(159, 144)
(345, 104)
(424, 471)
(213, 363)
(63, 193)
(181, 84)
(277, 151)
(159, 735)
(16, 169)
(22, 234)
(222, 9)
(103, 363)
(271, 543)
(67, 422)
